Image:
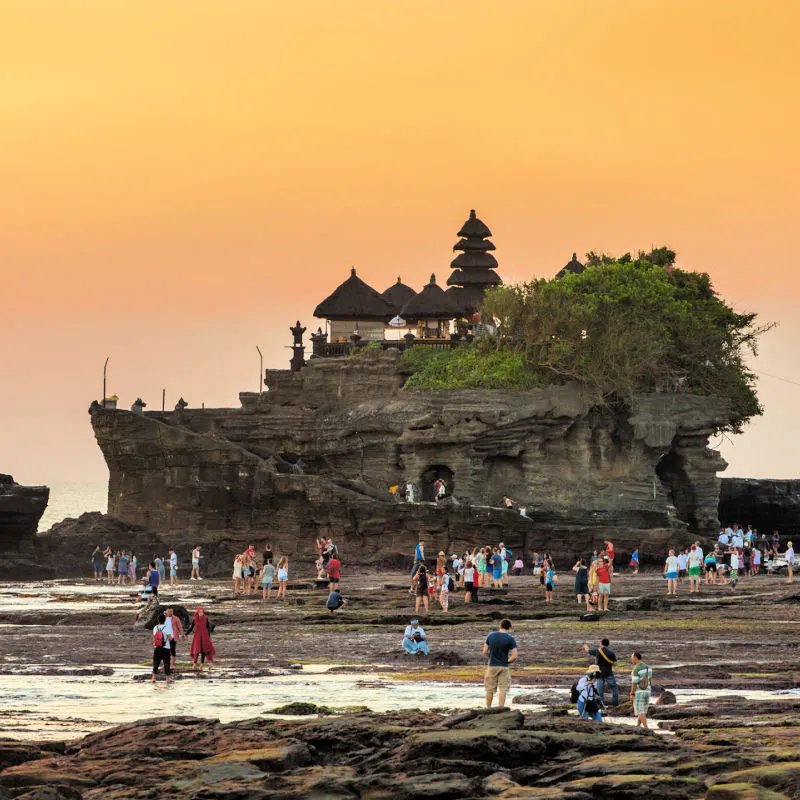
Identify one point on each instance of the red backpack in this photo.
(158, 638)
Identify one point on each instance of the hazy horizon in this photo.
(182, 184)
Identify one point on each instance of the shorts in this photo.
(497, 679)
(681, 573)
(467, 586)
(711, 567)
(266, 583)
(548, 587)
(173, 572)
(641, 700)
(332, 580)
(496, 576)
(694, 572)
(195, 562)
(671, 576)
(604, 588)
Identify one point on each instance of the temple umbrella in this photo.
(397, 322)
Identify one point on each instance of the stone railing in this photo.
(322, 348)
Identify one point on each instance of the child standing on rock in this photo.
(283, 577)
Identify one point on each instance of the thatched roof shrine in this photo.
(473, 267)
(397, 295)
(354, 300)
(431, 303)
(574, 266)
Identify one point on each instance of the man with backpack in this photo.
(162, 654)
(641, 681)
(585, 694)
(606, 658)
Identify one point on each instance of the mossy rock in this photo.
(782, 776)
(742, 791)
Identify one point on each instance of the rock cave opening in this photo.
(432, 474)
(678, 487)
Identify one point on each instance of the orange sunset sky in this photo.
(181, 181)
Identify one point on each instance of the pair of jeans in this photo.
(584, 714)
(611, 681)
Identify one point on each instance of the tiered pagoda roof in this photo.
(431, 303)
(474, 267)
(354, 300)
(574, 266)
(397, 295)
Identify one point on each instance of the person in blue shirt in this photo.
(162, 573)
(501, 647)
(635, 562)
(419, 558)
(414, 639)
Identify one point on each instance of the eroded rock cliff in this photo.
(318, 452)
(21, 508)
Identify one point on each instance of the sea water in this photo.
(72, 500)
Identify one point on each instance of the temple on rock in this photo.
(474, 268)
(356, 314)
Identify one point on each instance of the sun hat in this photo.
(592, 670)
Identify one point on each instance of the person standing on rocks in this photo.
(468, 585)
(177, 634)
(415, 640)
(110, 563)
(694, 563)
(671, 574)
(419, 559)
(420, 586)
(581, 582)
(202, 646)
(641, 678)
(161, 649)
(333, 570)
(283, 577)
(789, 556)
(268, 579)
(173, 568)
(603, 583)
(97, 563)
(733, 574)
(606, 658)
(195, 576)
(634, 564)
(501, 648)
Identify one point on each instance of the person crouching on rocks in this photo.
(420, 586)
(202, 646)
(414, 639)
(335, 601)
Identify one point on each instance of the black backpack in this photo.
(574, 694)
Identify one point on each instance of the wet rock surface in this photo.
(729, 660)
(503, 754)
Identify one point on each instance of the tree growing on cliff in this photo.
(622, 326)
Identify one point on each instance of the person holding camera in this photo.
(590, 703)
(414, 639)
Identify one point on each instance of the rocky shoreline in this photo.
(730, 658)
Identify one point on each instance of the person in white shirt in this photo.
(734, 573)
(723, 537)
(699, 549)
(789, 556)
(694, 563)
(671, 573)
(682, 559)
(173, 568)
(195, 564)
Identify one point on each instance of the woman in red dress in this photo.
(202, 646)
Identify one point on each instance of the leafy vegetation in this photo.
(622, 326)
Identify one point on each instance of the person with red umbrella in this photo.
(202, 646)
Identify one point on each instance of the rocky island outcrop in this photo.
(321, 452)
(21, 508)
